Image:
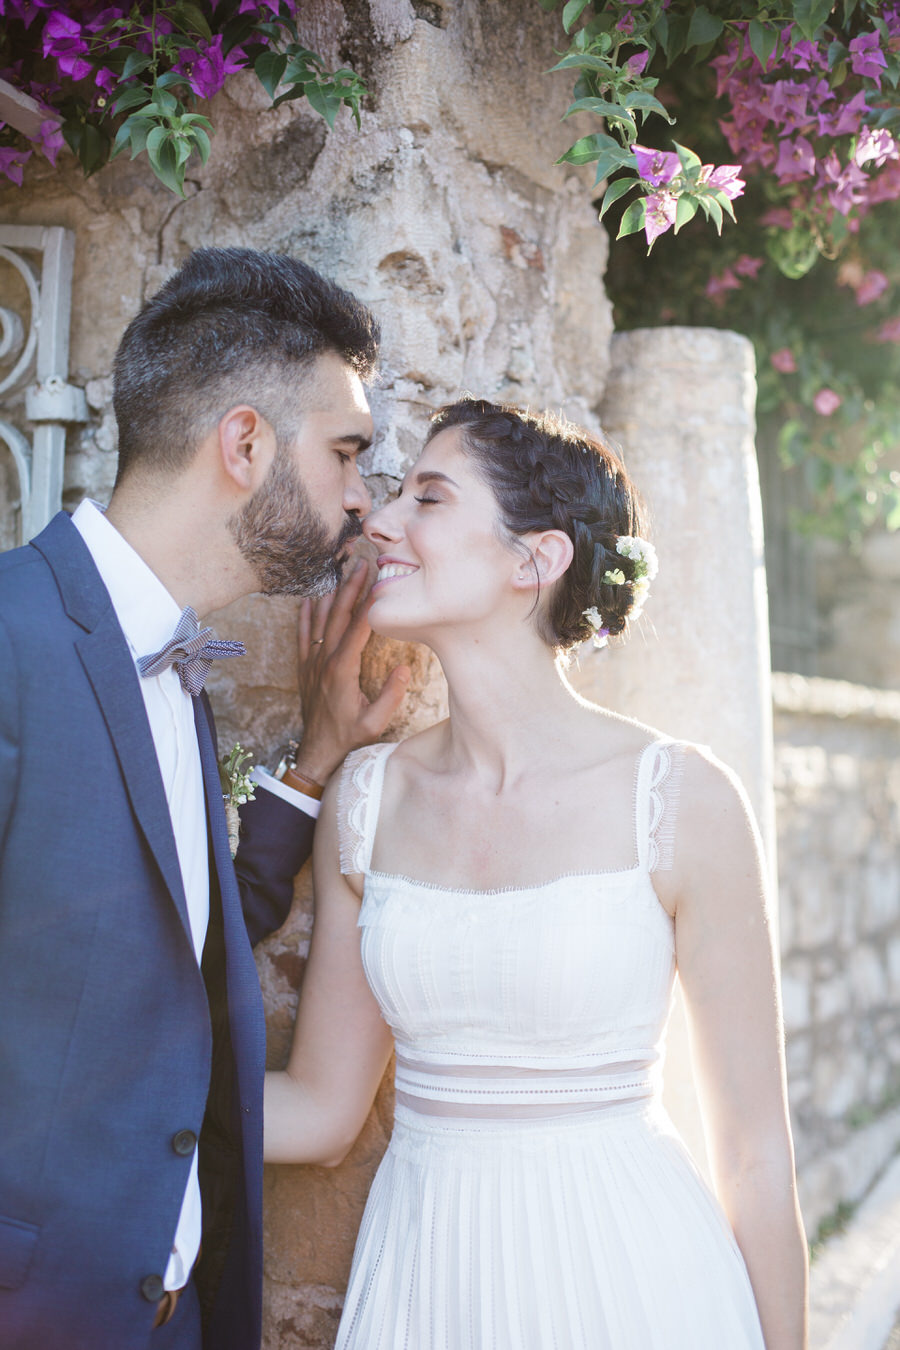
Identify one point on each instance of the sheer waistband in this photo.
(507, 1092)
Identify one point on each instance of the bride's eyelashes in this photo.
(428, 501)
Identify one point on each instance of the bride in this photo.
(505, 899)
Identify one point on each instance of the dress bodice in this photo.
(552, 993)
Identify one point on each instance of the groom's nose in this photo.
(357, 501)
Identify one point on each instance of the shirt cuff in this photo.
(308, 805)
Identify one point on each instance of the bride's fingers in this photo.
(344, 601)
(320, 610)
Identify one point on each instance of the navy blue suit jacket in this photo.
(112, 1041)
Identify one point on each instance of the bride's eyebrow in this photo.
(434, 476)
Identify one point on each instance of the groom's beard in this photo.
(285, 540)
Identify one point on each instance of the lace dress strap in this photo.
(358, 800)
(660, 772)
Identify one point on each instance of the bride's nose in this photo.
(383, 526)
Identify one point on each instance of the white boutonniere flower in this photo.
(237, 788)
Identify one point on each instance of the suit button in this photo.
(152, 1288)
(184, 1143)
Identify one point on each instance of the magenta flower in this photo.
(635, 64)
(826, 402)
(12, 162)
(878, 146)
(873, 285)
(725, 178)
(747, 266)
(804, 55)
(626, 25)
(889, 331)
(63, 41)
(51, 139)
(846, 183)
(845, 122)
(659, 215)
(717, 287)
(784, 361)
(207, 73)
(656, 166)
(796, 159)
(779, 217)
(866, 57)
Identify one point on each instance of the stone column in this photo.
(680, 402)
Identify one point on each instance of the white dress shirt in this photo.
(148, 615)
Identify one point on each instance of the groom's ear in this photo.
(246, 446)
(551, 552)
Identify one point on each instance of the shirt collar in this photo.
(146, 612)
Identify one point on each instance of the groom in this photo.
(132, 1038)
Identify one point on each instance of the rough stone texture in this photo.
(682, 404)
(858, 602)
(837, 794)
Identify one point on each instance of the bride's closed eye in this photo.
(429, 501)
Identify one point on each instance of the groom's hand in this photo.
(337, 716)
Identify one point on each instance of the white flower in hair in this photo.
(595, 619)
(642, 554)
(614, 578)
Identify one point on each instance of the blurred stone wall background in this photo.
(485, 263)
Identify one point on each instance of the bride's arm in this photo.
(317, 1106)
(728, 967)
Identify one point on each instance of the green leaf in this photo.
(608, 161)
(704, 27)
(136, 62)
(190, 19)
(155, 139)
(639, 98)
(603, 108)
(94, 149)
(685, 211)
(324, 102)
(166, 102)
(763, 40)
(201, 143)
(583, 61)
(572, 12)
(809, 15)
(688, 159)
(616, 190)
(167, 169)
(270, 67)
(589, 147)
(632, 218)
(548, 6)
(130, 98)
(713, 209)
(660, 31)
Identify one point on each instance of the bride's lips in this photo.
(392, 569)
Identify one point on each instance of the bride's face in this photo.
(442, 561)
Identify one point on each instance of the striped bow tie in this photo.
(191, 650)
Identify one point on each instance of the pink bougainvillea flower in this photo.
(889, 331)
(873, 285)
(866, 57)
(656, 166)
(12, 162)
(63, 41)
(851, 273)
(717, 287)
(725, 177)
(51, 139)
(846, 121)
(747, 266)
(626, 25)
(796, 159)
(876, 145)
(804, 55)
(24, 10)
(844, 192)
(784, 361)
(207, 72)
(885, 187)
(779, 217)
(826, 402)
(660, 215)
(635, 64)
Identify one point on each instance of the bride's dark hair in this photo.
(548, 474)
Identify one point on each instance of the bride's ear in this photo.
(551, 553)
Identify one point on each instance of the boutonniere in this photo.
(237, 788)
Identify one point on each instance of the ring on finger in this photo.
(315, 642)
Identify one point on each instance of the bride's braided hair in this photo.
(548, 474)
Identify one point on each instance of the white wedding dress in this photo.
(534, 1195)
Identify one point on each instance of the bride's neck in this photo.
(508, 706)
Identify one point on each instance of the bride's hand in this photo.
(337, 716)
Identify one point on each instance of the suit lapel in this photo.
(109, 666)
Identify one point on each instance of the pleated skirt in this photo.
(587, 1232)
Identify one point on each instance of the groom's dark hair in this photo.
(232, 325)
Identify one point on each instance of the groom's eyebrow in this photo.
(354, 438)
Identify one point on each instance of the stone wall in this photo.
(837, 796)
(858, 603)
